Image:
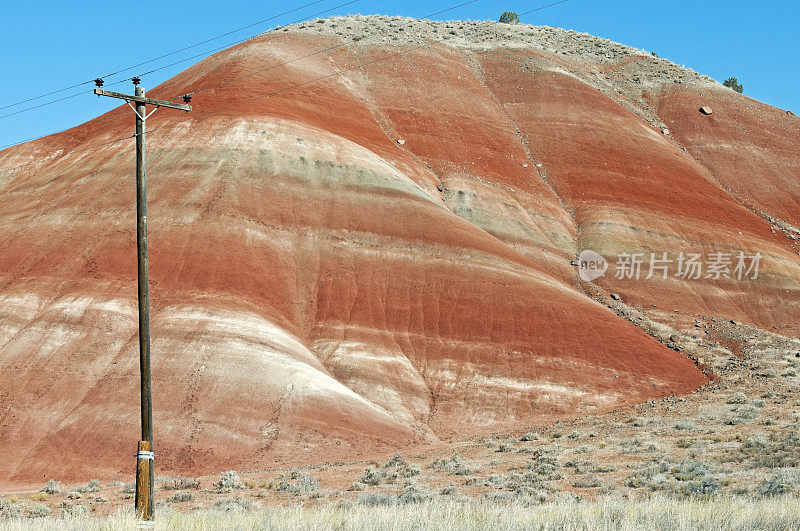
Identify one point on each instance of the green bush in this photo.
(509, 17)
(734, 84)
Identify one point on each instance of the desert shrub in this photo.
(377, 499)
(297, 483)
(39, 511)
(509, 17)
(453, 465)
(505, 446)
(228, 481)
(637, 422)
(586, 482)
(637, 445)
(449, 490)
(371, 476)
(180, 497)
(234, 504)
(544, 465)
(180, 483)
(759, 451)
(92, 486)
(690, 470)
(685, 424)
(580, 467)
(523, 497)
(390, 471)
(738, 398)
(780, 483)
(413, 494)
(10, 509)
(687, 478)
(701, 488)
(734, 84)
(51, 487)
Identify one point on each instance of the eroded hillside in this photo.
(372, 247)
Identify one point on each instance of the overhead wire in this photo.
(339, 72)
(298, 85)
(542, 7)
(278, 65)
(188, 58)
(165, 55)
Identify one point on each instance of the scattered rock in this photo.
(539, 164)
(706, 110)
(664, 131)
(440, 188)
(401, 141)
(615, 296)
(524, 165)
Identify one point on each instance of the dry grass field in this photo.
(657, 513)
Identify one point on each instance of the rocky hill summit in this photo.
(619, 71)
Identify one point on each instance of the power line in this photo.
(164, 55)
(81, 93)
(188, 58)
(286, 88)
(217, 37)
(330, 48)
(272, 67)
(247, 39)
(182, 60)
(542, 7)
(303, 19)
(328, 76)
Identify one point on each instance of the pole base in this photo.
(144, 493)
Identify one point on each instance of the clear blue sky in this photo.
(49, 44)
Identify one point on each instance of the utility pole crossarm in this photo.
(142, 99)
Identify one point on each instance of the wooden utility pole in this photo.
(145, 456)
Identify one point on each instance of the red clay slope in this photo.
(314, 295)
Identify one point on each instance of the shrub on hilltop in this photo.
(509, 17)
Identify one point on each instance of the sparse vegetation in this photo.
(297, 483)
(733, 83)
(390, 471)
(234, 504)
(452, 465)
(51, 487)
(509, 17)
(180, 497)
(229, 481)
(92, 486)
(182, 483)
